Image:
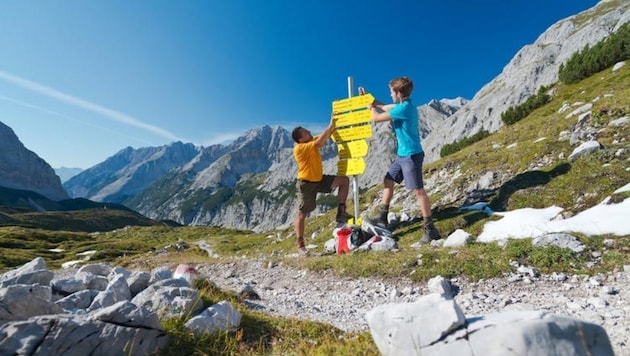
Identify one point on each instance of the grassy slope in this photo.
(532, 174)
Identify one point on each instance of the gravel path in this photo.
(343, 302)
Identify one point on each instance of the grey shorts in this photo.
(307, 192)
(408, 169)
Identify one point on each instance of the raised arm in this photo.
(380, 113)
(379, 109)
(321, 139)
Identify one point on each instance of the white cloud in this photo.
(108, 113)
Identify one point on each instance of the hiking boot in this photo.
(303, 251)
(343, 217)
(430, 234)
(379, 220)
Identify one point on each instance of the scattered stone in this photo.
(558, 294)
(441, 286)
(618, 66)
(458, 238)
(584, 149)
(343, 302)
(220, 316)
(597, 302)
(562, 240)
(622, 121)
(580, 110)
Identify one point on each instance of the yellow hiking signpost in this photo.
(351, 166)
(352, 133)
(353, 118)
(353, 126)
(353, 149)
(352, 103)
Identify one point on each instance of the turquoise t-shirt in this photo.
(405, 122)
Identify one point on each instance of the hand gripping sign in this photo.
(353, 126)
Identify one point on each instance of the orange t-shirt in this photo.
(309, 161)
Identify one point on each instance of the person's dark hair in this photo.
(297, 133)
(403, 85)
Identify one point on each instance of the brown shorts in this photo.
(307, 192)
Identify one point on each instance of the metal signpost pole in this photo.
(355, 183)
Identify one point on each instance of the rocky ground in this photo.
(343, 302)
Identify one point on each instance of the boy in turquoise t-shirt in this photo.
(408, 164)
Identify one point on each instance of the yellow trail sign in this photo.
(352, 133)
(350, 167)
(353, 149)
(355, 102)
(352, 126)
(353, 117)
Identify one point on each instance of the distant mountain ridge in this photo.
(129, 172)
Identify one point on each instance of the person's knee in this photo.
(420, 192)
(306, 209)
(341, 181)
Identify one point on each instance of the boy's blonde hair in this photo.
(403, 85)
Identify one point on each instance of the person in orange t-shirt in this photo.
(311, 179)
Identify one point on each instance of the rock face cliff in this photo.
(23, 169)
(533, 66)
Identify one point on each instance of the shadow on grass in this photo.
(416, 225)
(499, 202)
(524, 181)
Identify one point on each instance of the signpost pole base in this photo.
(355, 196)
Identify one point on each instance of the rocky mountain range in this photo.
(249, 184)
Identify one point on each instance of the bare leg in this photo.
(388, 191)
(343, 183)
(424, 202)
(299, 225)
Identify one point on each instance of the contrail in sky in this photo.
(15, 101)
(111, 114)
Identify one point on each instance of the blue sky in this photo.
(81, 80)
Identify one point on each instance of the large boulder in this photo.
(121, 329)
(434, 325)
